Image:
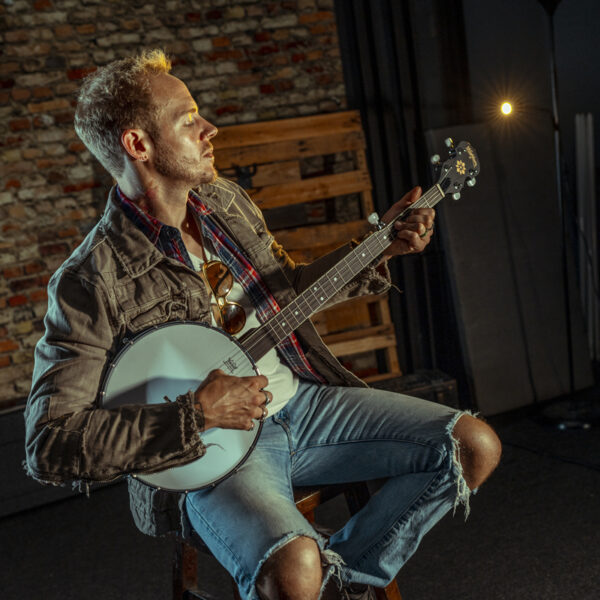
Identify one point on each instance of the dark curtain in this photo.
(402, 60)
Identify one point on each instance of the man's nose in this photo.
(208, 130)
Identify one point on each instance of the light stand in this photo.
(569, 415)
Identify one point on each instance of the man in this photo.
(167, 217)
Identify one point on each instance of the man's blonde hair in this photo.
(114, 98)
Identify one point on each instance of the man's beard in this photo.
(193, 172)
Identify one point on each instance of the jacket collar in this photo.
(133, 249)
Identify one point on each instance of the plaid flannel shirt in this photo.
(168, 240)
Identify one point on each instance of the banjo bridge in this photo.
(230, 365)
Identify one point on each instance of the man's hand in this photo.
(415, 232)
(232, 402)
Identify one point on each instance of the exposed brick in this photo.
(267, 49)
(76, 147)
(50, 249)
(42, 92)
(225, 55)
(229, 109)
(298, 57)
(315, 17)
(8, 345)
(86, 29)
(4, 361)
(42, 4)
(18, 300)
(70, 232)
(20, 94)
(12, 272)
(38, 295)
(34, 267)
(78, 187)
(7, 83)
(193, 17)
(30, 153)
(63, 30)
(48, 106)
(12, 183)
(16, 36)
(213, 15)
(19, 285)
(284, 85)
(9, 67)
(221, 42)
(64, 117)
(45, 163)
(321, 28)
(262, 36)
(74, 74)
(130, 24)
(4, 97)
(19, 124)
(267, 88)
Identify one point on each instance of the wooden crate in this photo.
(309, 176)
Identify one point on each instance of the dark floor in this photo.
(534, 534)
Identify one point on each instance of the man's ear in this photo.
(136, 143)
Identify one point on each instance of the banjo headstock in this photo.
(462, 166)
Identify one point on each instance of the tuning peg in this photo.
(456, 196)
(449, 142)
(471, 181)
(373, 220)
(435, 159)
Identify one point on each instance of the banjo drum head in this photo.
(167, 361)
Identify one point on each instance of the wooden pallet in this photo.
(314, 168)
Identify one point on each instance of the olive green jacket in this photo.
(115, 285)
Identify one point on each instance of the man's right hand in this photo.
(231, 402)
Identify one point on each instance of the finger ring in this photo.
(267, 399)
(264, 415)
(430, 228)
(422, 235)
(251, 426)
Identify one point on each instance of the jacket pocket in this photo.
(144, 301)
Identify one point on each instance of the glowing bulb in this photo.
(506, 108)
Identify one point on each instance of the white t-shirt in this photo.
(283, 382)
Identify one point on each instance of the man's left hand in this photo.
(414, 232)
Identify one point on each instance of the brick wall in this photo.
(243, 60)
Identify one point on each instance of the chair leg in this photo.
(390, 592)
(185, 574)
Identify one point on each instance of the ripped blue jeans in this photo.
(328, 435)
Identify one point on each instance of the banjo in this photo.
(167, 360)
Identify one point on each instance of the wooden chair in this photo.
(185, 562)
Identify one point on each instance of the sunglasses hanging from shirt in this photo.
(229, 315)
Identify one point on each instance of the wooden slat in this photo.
(312, 237)
(267, 132)
(352, 314)
(276, 173)
(382, 376)
(307, 190)
(363, 340)
(225, 158)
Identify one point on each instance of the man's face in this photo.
(182, 148)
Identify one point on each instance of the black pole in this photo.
(561, 201)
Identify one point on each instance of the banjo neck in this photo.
(259, 341)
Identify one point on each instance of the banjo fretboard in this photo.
(316, 297)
